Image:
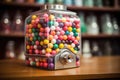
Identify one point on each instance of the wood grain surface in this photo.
(91, 68)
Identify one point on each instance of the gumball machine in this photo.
(52, 38)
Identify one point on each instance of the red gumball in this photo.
(37, 42)
(65, 28)
(45, 65)
(30, 51)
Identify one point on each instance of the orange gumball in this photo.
(50, 37)
(53, 33)
(64, 37)
(78, 38)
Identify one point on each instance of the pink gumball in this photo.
(62, 32)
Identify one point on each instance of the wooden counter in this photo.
(92, 68)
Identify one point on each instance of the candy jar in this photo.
(107, 27)
(95, 49)
(5, 22)
(10, 53)
(18, 22)
(52, 38)
(83, 25)
(116, 28)
(86, 49)
(92, 26)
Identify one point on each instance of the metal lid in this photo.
(55, 7)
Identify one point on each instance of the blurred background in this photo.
(100, 25)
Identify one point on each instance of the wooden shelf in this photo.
(100, 36)
(90, 68)
(21, 34)
(12, 34)
(36, 5)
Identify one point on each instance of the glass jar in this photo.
(52, 38)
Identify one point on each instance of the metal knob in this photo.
(66, 57)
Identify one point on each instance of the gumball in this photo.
(78, 30)
(43, 51)
(75, 42)
(69, 46)
(78, 26)
(67, 32)
(61, 24)
(53, 33)
(51, 17)
(77, 63)
(75, 34)
(30, 30)
(77, 21)
(53, 52)
(59, 19)
(37, 64)
(58, 33)
(47, 29)
(32, 63)
(44, 60)
(41, 64)
(31, 38)
(72, 49)
(51, 23)
(52, 28)
(42, 29)
(48, 50)
(55, 37)
(33, 23)
(73, 38)
(63, 19)
(39, 38)
(55, 46)
(64, 37)
(34, 16)
(63, 41)
(53, 41)
(74, 29)
(28, 47)
(56, 24)
(35, 46)
(41, 43)
(39, 25)
(30, 51)
(46, 41)
(50, 45)
(50, 60)
(45, 15)
(62, 32)
(31, 47)
(37, 42)
(65, 28)
(51, 66)
(65, 45)
(48, 54)
(58, 28)
(61, 45)
(69, 37)
(78, 38)
(46, 34)
(66, 23)
(34, 38)
(36, 51)
(60, 37)
(73, 45)
(71, 33)
(70, 24)
(58, 41)
(50, 37)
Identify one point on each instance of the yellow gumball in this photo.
(41, 43)
(57, 50)
(46, 41)
(34, 16)
(50, 45)
(72, 49)
(39, 25)
(31, 38)
(51, 17)
(69, 46)
(28, 47)
(70, 29)
(30, 30)
(48, 50)
(63, 19)
(61, 45)
(78, 30)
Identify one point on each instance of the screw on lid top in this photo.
(55, 7)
